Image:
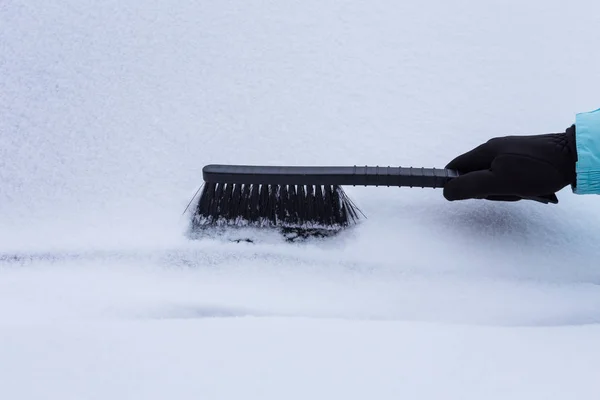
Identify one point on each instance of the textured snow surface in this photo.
(110, 109)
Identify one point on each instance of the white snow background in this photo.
(109, 110)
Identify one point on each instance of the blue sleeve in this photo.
(587, 142)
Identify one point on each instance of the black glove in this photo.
(515, 167)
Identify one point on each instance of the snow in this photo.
(110, 110)
(298, 359)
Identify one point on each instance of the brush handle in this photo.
(342, 176)
(350, 176)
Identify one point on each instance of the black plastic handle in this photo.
(342, 176)
(354, 176)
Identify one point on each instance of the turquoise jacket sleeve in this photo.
(587, 142)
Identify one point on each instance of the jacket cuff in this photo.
(587, 143)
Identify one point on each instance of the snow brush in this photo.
(304, 200)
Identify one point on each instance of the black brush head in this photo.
(308, 210)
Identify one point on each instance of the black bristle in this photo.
(263, 203)
(216, 202)
(320, 206)
(304, 208)
(348, 209)
(206, 200)
(310, 204)
(244, 209)
(227, 199)
(268, 204)
(292, 206)
(336, 206)
(301, 204)
(253, 212)
(234, 205)
(328, 212)
(282, 198)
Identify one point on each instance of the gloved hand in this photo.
(515, 167)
